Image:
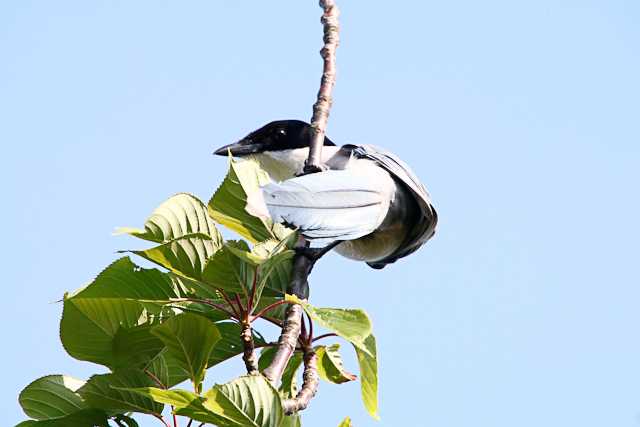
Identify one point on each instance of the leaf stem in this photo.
(253, 291)
(161, 418)
(175, 420)
(228, 300)
(267, 309)
(239, 303)
(319, 337)
(155, 379)
(233, 314)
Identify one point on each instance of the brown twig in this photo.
(249, 353)
(310, 382)
(323, 103)
(286, 344)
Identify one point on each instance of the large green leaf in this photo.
(229, 345)
(247, 401)
(185, 256)
(369, 375)
(124, 279)
(185, 403)
(83, 418)
(228, 271)
(351, 324)
(89, 327)
(107, 321)
(178, 216)
(189, 339)
(53, 396)
(110, 392)
(228, 204)
(330, 365)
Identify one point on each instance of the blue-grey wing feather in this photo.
(425, 227)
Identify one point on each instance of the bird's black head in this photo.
(275, 136)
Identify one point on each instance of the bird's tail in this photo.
(325, 206)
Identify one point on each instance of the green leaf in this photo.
(228, 204)
(125, 421)
(189, 339)
(109, 392)
(294, 420)
(98, 322)
(135, 347)
(158, 371)
(246, 401)
(185, 403)
(346, 422)
(178, 216)
(89, 327)
(185, 256)
(83, 418)
(228, 271)
(330, 365)
(288, 386)
(351, 324)
(124, 279)
(53, 396)
(369, 375)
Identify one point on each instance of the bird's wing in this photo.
(425, 228)
(329, 206)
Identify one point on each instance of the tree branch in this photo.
(286, 344)
(323, 103)
(310, 382)
(303, 264)
(249, 354)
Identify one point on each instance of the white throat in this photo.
(285, 164)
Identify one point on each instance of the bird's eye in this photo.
(281, 132)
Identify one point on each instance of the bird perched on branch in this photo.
(367, 203)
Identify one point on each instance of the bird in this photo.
(366, 204)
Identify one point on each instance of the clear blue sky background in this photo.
(522, 118)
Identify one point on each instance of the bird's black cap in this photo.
(275, 136)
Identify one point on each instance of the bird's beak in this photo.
(241, 148)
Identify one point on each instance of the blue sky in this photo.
(522, 118)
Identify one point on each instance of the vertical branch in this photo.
(302, 264)
(286, 344)
(249, 354)
(323, 103)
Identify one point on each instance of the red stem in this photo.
(310, 338)
(319, 337)
(253, 291)
(214, 305)
(155, 379)
(268, 308)
(237, 297)
(228, 300)
(162, 420)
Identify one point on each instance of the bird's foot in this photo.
(309, 169)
